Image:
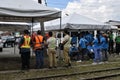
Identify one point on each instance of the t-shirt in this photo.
(68, 39)
(51, 43)
(117, 39)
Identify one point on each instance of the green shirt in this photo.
(117, 39)
(51, 43)
(111, 36)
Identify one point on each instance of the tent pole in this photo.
(31, 29)
(32, 26)
(15, 41)
(42, 28)
(60, 27)
(60, 33)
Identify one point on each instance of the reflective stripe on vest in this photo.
(38, 41)
(26, 43)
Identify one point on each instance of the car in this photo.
(8, 41)
(1, 45)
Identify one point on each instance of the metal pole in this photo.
(60, 27)
(42, 28)
(60, 34)
(15, 41)
(32, 26)
(31, 29)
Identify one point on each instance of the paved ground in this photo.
(10, 52)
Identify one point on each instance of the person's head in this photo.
(39, 32)
(59, 35)
(26, 31)
(104, 34)
(66, 31)
(50, 33)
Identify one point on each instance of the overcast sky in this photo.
(101, 10)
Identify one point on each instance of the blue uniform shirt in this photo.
(96, 44)
(104, 43)
(83, 43)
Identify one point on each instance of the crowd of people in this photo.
(77, 47)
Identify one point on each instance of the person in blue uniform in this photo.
(96, 47)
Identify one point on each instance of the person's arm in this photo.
(31, 42)
(21, 42)
(65, 40)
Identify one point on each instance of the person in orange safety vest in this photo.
(38, 48)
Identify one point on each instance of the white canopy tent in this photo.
(75, 22)
(24, 10)
(14, 26)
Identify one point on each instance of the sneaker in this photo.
(79, 61)
(50, 67)
(55, 66)
(100, 62)
(106, 61)
(69, 64)
(94, 63)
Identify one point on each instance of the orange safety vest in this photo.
(26, 43)
(38, 42)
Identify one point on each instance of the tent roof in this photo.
(76, 21)
(13, 26)
(114, 22)
(24, 10)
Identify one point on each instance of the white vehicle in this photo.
(1, 45)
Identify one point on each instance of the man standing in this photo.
(24, 47)
(51, 42)
(83, 46)
(117, 40)
(66, 42)
(38, 48)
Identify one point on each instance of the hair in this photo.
(106, 37)
(26, 31)
(59, 35)
(50, 33)
(66, 31)
(39, 32)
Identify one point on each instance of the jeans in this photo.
(97, 55)
(39, 58)
(104, 55)
(25, 58)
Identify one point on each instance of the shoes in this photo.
(94, 63)
(24, 68)
(106, 62)
(50, 67)
(100, 62)
(55, 67)
(79, 61)
(69, 64)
